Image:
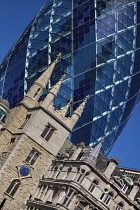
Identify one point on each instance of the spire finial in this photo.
(77, 113)
(80, 109)
(53, 93)
(65, 108)
(57, 86)
(58, 57)
(44, 78)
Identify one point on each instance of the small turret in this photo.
(65, 109)
(77, 113)
(52, 93)
(93, 154)
(39, 85)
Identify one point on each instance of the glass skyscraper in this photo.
(99, 41)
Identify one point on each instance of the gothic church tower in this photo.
(30, 139)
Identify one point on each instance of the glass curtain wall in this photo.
(99, 43)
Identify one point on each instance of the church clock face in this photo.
(24, 170)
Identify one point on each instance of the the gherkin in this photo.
(99, 41)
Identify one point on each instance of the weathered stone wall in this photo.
(36, 125)
(9, 172)
(14, 121)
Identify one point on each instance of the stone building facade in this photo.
(84, 178)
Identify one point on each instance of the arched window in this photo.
(48, 132)
(103, 194)
(106, 197)
(81, 175)
(13, 187)
(93, 185)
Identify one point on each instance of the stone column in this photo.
(62, 195)
(77, 151)
(40, 191)
(111, 167)
(134, 191)
(49, 194)
(44, 193)
(44, 190)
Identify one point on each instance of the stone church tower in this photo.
(30, 139)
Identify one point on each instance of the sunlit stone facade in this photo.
(99, 43)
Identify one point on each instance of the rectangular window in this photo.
(48, 132)
(25, 121)
(32, 157)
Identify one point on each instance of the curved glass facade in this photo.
(99, 43)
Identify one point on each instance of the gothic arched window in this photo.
(93, 185)
(48, 132)
(13, 187)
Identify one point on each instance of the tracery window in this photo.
(32, 157)
(48, 132)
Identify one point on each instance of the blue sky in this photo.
(15, 15)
